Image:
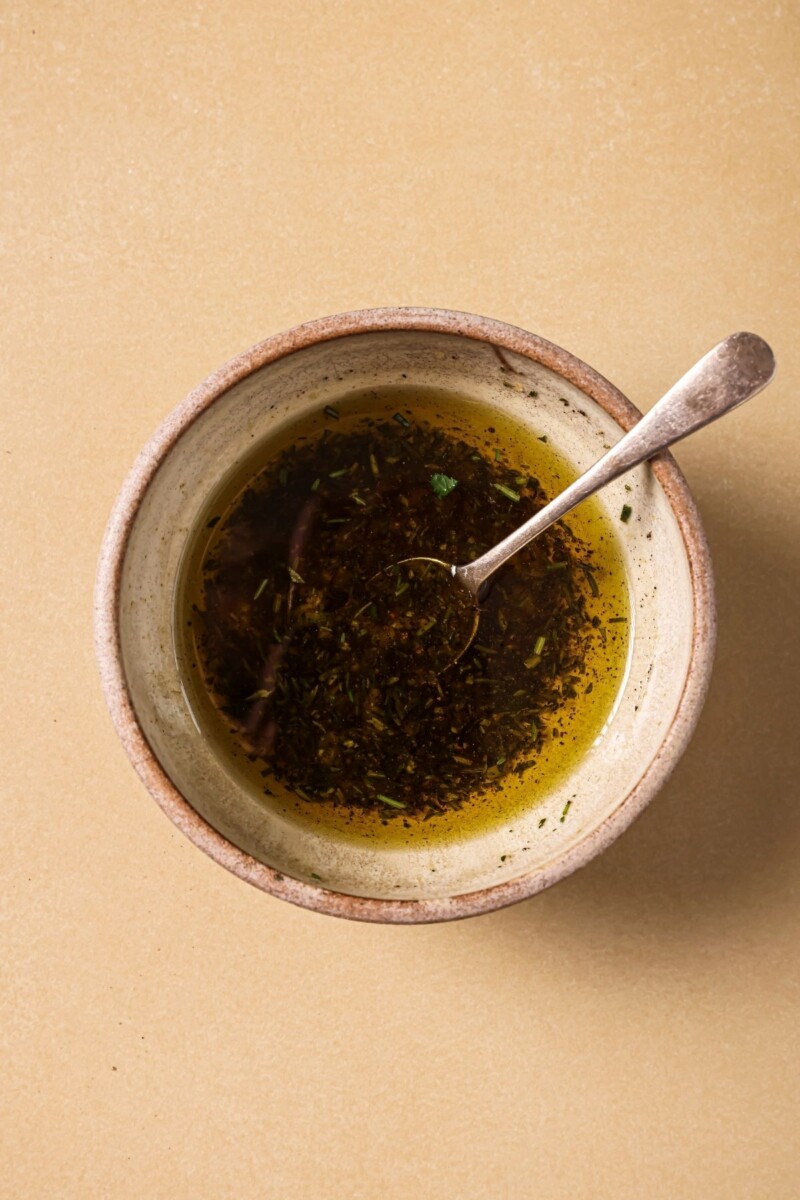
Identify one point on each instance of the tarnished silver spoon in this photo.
(731, 373)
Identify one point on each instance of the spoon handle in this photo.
(731, 373)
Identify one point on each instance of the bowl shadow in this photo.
(726, 826)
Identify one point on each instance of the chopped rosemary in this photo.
(507, 491)
(388, 800)
(590, 579)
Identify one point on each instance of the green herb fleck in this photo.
(442, 484)
(294, 576)
(401, 420)
(567, 807)
(625, 515)
(539, 644)
(260, 588)
(330, 411)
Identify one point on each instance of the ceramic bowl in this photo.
(249, 399)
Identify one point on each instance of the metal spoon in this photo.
(731, 373)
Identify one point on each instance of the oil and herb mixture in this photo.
(320, 670)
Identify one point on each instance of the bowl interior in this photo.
(257, 408)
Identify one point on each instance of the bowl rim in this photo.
(109, 651)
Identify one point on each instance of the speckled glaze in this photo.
(693, 620)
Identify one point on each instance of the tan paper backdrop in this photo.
(182, 179)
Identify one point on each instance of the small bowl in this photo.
(249, 399)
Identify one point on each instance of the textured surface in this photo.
(180, 181)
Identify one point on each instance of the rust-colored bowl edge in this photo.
(109, 655)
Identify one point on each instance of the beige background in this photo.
(182, 179)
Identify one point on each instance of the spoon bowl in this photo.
(421, 604)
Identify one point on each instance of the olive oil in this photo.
(325, 699)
